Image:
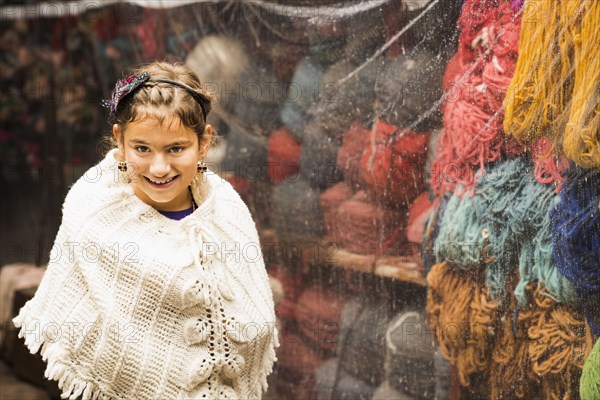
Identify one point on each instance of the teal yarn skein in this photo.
(508, 215)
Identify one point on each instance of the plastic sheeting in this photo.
(327, 73)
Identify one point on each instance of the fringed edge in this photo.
(73, 387)
(268, 362)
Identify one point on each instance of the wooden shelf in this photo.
(401, 268)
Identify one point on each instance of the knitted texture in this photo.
(137, 306)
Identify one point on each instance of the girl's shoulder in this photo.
(100, 184)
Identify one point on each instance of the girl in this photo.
(156, 286)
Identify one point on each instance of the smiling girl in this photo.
(156, 287)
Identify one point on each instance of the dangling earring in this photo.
(201, 167)
(122, 166)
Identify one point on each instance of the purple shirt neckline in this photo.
(177, 215)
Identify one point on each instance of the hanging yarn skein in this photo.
(549, 168)
(540, 349)
(472, 133)
(589, 387)
(576, 238)
(505, 222)
(557, 91)
(510, 359)
(558, 344)
(462, 318)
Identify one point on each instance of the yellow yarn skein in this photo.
(581, 142)
(556, 84)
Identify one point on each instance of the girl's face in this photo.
(161, 160)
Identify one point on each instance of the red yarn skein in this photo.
(348, 159)
(330, 200)
(473, 133)
(283, 157)
(392, 166)
(367, 228)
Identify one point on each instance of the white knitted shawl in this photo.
(138, 306)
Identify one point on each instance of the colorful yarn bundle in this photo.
(256, 107)
(475, 16)
(409, 355)
(318, 157)
(555, 86)
(392, 165)
(468, 223)
(367, 228)
(283, 159)
(361, 347)
(472, 134)
(558, 345)
(318, 314)
(340, 102)
(548, 167)
(540, 350)
(245, 155)
(510, 362)
(505, 223)
(590, 377)
(296, 214)
(333, 382)
(418, 213)
(354, 141)
(406, 88)
(576, 238)
(459, 239)
(300, 95)
(330, 200)
(462, 318)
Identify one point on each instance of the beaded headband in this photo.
(128, 85)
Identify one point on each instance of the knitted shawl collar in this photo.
(136, 305)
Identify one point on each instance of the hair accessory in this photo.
(202, 168)
(122, 166)
(128, 85)
(124, 87)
